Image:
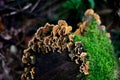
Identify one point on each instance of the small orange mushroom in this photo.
(85, 67)
(55, 30)
(71, 37)
(68, 29)
(62, 23)
(89, 11)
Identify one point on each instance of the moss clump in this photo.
(100, 52)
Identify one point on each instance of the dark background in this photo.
(19, 20)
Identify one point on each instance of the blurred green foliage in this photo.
(72, 10)
(92, 3)
(76, 4)
(116, 42)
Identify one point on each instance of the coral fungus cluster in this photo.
(88, 16)
(51, 38)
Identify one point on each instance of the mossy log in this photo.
(55, 53)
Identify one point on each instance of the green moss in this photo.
(100, 52)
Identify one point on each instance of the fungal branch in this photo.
(57, 38)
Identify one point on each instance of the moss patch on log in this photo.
(100, 52)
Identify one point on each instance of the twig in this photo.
(36, 4)
(104, 11)
(8, 7)
(19, 4)
(17, 11)
(109, 25)
(2, 56)
(48, 4)
(26, 7)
